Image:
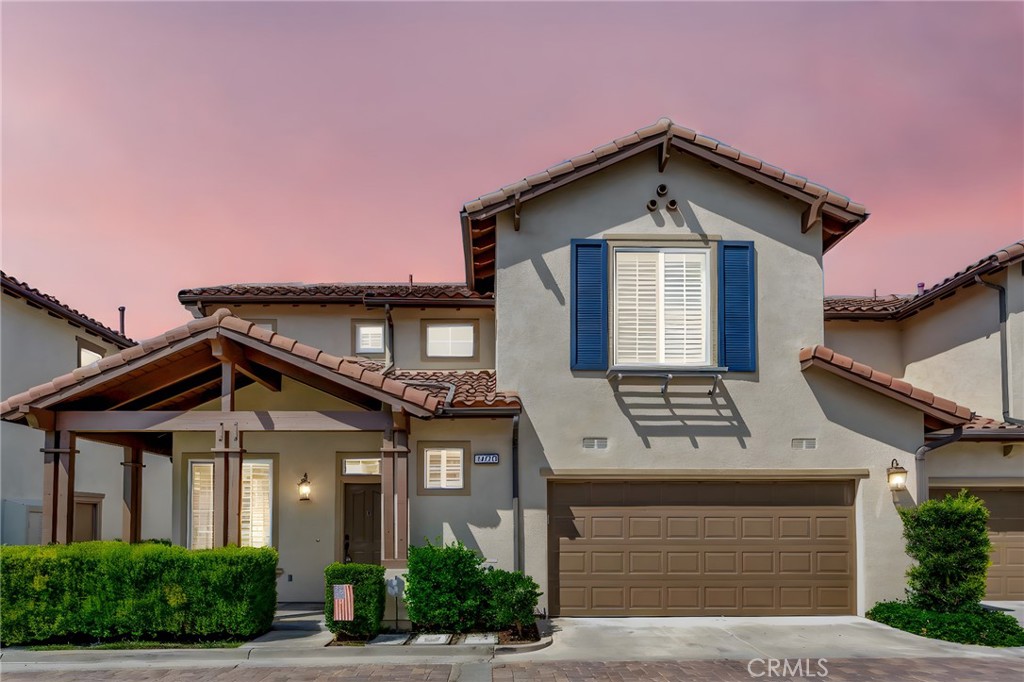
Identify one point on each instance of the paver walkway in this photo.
(839, 670)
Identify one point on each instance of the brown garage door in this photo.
(701, 548)
(1006, 531)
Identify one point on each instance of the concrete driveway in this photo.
(743, 639)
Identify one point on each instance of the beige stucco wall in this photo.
(878, 344)
(308, 534)
(977, 461)
(35, 347)
(751, 420)
(329, 328)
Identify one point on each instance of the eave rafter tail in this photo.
(244, 363)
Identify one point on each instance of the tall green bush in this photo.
(511, 600)
(445, 589)
(949, 540)
(368, 591)
(93, 591)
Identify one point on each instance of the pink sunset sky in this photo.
(150, 147)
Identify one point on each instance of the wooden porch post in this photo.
(131, 509)
(59, 487)
(227, 483)
(387, 493)
(401, 439)
(394, 484)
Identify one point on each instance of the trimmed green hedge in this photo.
(445, 590)
(511, 600)
(971, 626)
(949, 540)
(369, 591)
(91, 591)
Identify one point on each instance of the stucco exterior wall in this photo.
(34, 348)
(878, 344)
(753, 417)
(330, 329)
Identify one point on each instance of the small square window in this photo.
(443, 468)
(361, 467)
(450, 339)
(88, 353)
(369, 338)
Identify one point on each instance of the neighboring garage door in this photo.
(701, 548)
(1006, 531)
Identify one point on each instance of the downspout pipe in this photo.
(1004, 351)
(517, 562)
(389, 341)
(922, 453)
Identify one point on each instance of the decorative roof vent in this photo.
(595, 443)
(805, 444)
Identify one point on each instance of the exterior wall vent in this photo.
(805, 443)
(595, 443)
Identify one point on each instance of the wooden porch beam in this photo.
(147, 442)
(154, 399)
(225, 351)
(37, 418)
(157, 382)
(202, 420)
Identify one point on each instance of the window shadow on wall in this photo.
(684, 410)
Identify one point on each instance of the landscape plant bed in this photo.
(971, 626)
(138, 644)
(530, 634)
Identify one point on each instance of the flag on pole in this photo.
(344, 603)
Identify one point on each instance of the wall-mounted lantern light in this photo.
(304, 488)
(897, 477)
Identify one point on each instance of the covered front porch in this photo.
(246, 414)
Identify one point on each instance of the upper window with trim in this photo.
(88, 353)
(450, 339)
(368, 337)
(443, 468)
(665, 306)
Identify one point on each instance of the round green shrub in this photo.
(445, 590)
(511, 600)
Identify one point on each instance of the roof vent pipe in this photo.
(652, 205)
(672, 205)
(120, 310)
(920, 288)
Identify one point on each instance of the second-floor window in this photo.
(369, 338)
(450, 339)
(662, 307)
(88, 353)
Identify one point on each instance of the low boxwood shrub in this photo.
(948, 539)
(973, 625)
(445, 589)
(368, 590)
(511, 600)
(96, 591)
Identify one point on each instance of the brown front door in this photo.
(362, 523)
(628, 548)
(1006, 532)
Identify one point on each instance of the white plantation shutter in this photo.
(443, 468)
(662, 307)
(636, 305)
(370, 338)
(256, 504)
(201, 505)
(685, 309)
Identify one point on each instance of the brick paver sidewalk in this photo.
(348, 673)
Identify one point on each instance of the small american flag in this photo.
(343, 602)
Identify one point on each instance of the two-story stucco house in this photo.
(632, 398)
(39, 337)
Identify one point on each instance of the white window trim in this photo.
(345, 462)
(451, 356)
(444, 468)
(188, 511)
(709, 327)
(270, 500)
(362, 350)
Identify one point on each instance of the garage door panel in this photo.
(704, 557)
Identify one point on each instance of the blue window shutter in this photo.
(589, 304)
(737, 307)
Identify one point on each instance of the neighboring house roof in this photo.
(37, 299)
(438, 294)
(986, 429)
(898, 307)
(939, 412)
(841, 215)
(178, 347)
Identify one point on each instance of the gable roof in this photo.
(34, 297)
(183, 352)
(984, 429)
(393, 293)
(900, 307)
(939, 412)
(842, 214)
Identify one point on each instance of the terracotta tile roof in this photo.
(478, 214)
(476, 389)
(15, 287)
(473, 388)
(339, 292)
(900, 307)
(938, 409)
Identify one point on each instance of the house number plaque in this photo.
(485, 458)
